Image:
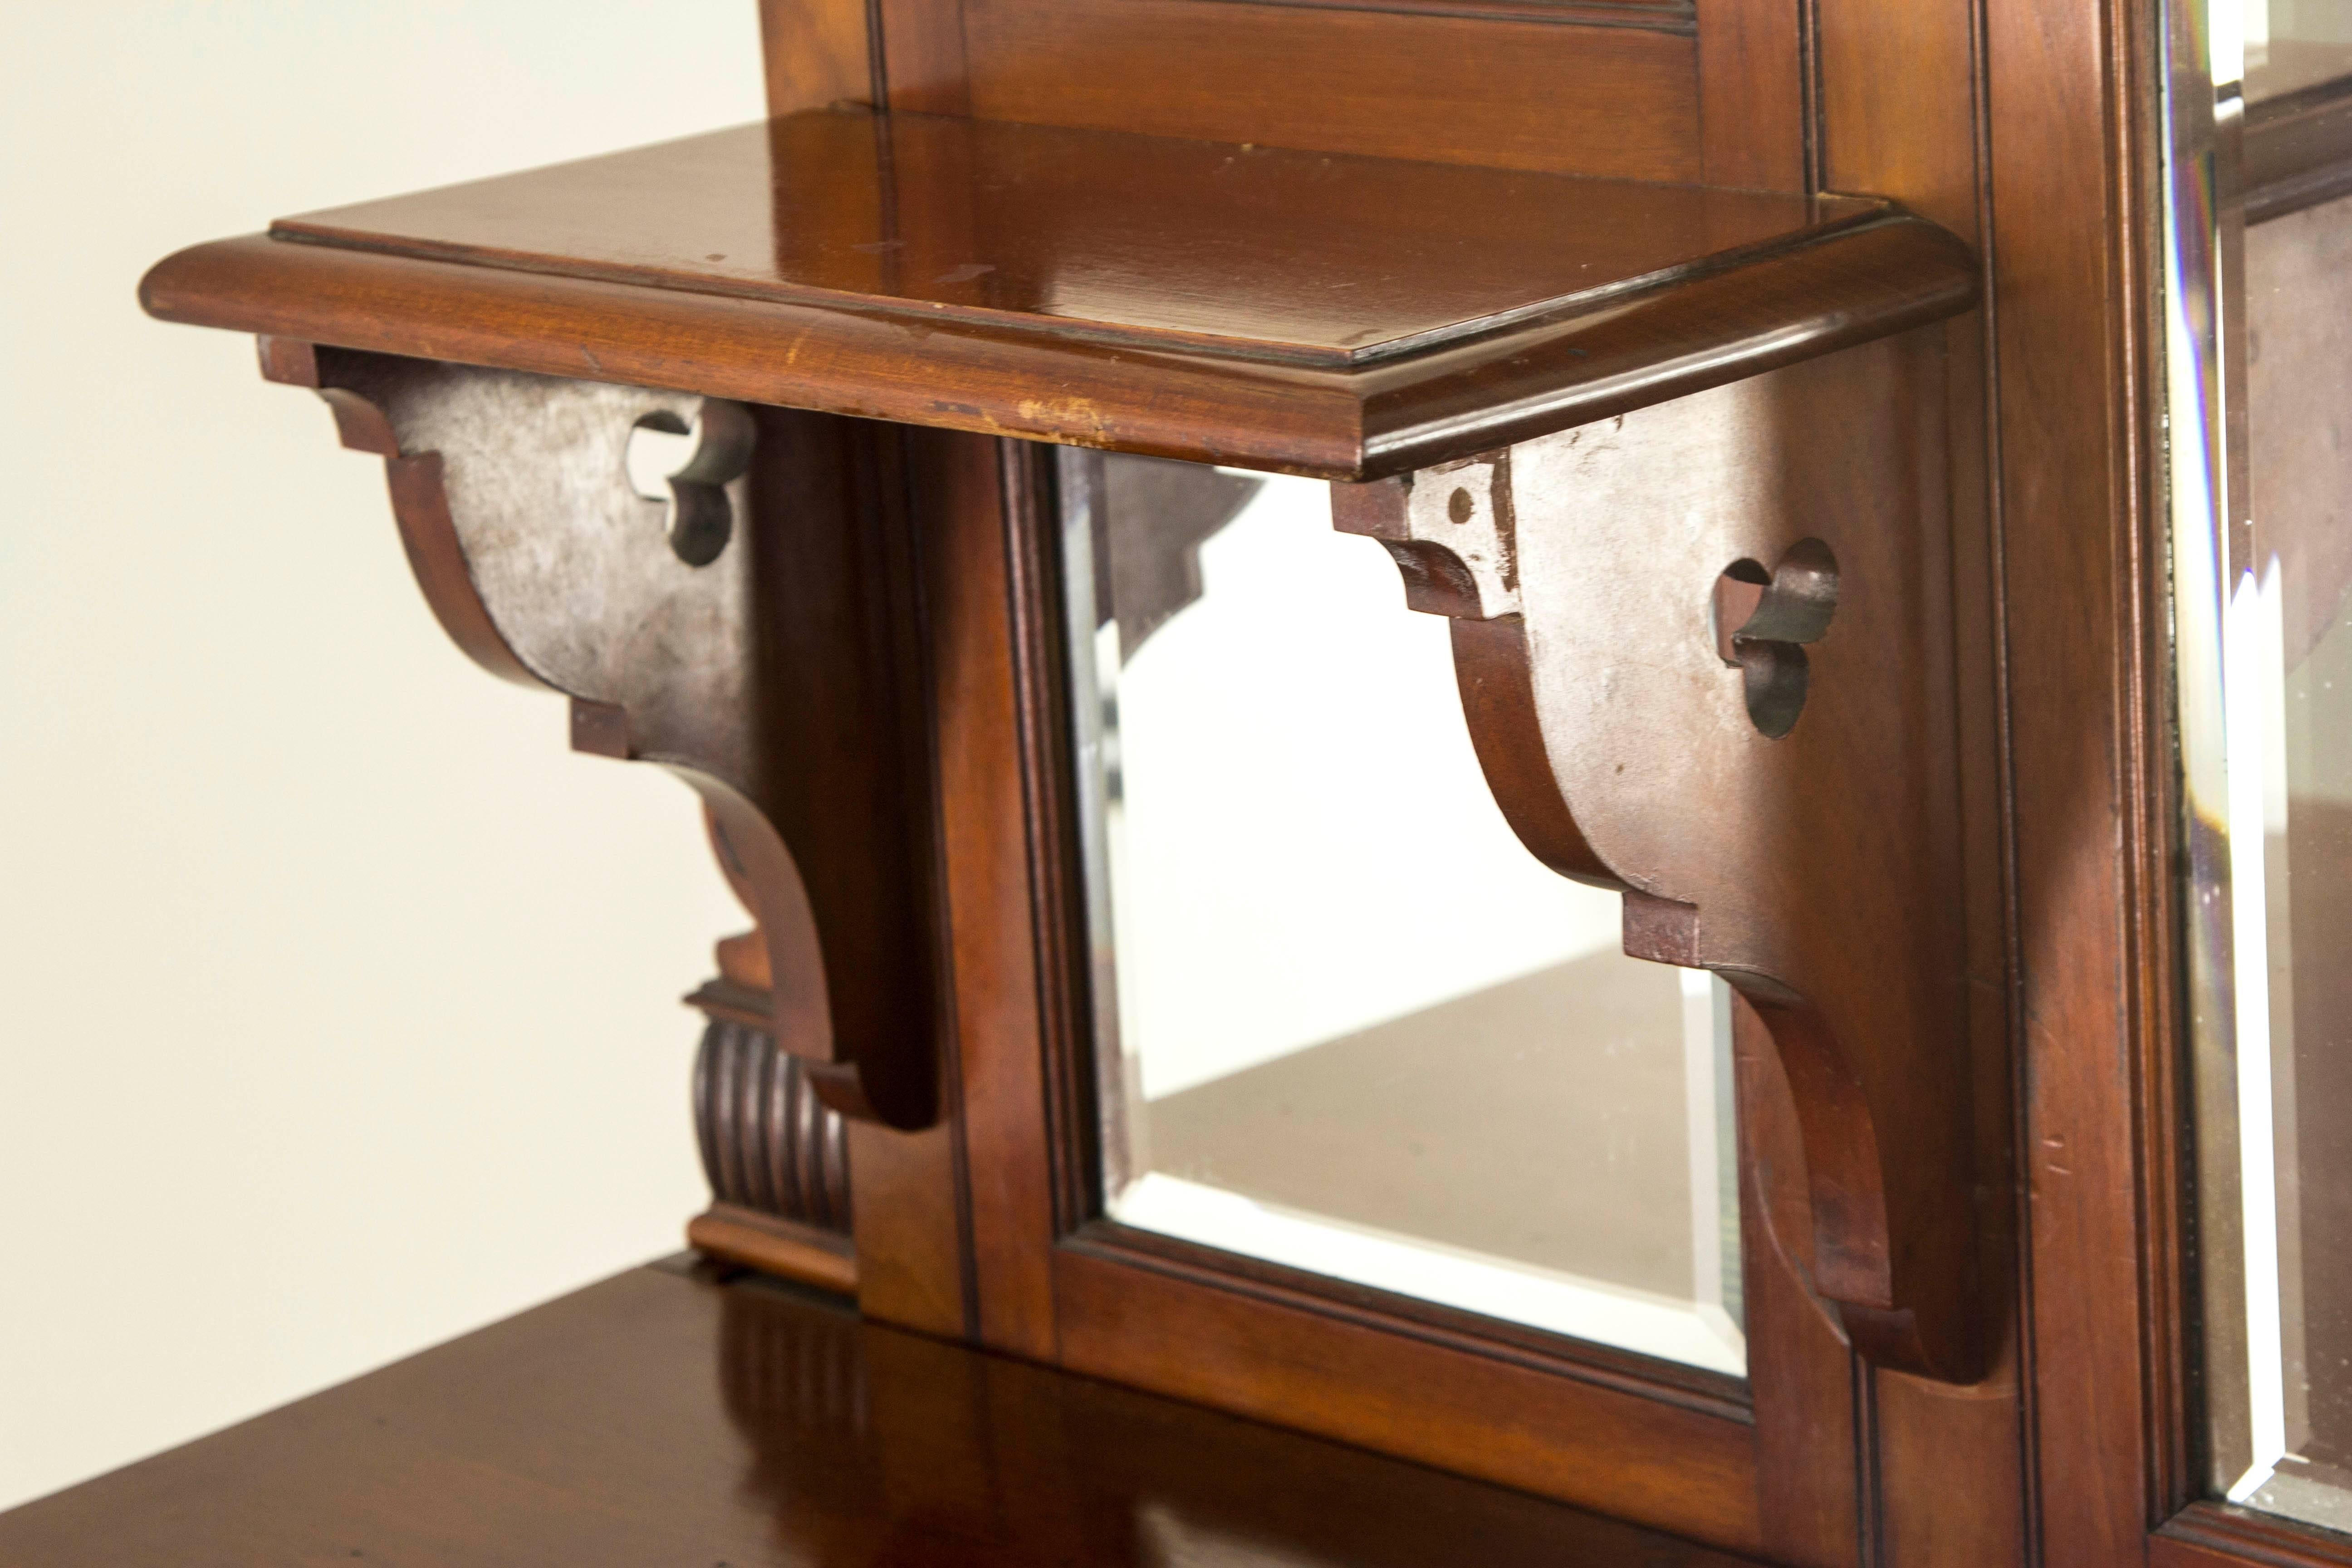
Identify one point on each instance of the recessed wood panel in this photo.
(1515, 94)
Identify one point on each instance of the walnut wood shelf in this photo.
(665, 1417)
(1338, 316)
(1442, 339)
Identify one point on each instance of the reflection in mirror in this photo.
(2291, 46)
(1344, 1022)
(866, 1447)
(2259, 358)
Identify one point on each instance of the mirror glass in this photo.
(2259, 366)
(2292, 45)
(1344, 1022)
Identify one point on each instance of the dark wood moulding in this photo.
(1330, 315)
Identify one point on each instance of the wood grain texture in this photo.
(1657, 15)
(1801, 1371)
(967, 487)
(2053, 96)
(661, 1418)
(1145, 241)
(2075, 86)
(1279, 1358)
(1751, 81)
(923, 56)
(823, 1259)
(2217, 1535)
(1617, 101)
(814, 52)
(1900, 96)
(846, 721)
(1898, 104)
(1552, 361)
(912, 1226)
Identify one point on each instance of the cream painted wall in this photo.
(336, 1000)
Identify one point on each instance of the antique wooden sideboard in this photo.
(1774, 408)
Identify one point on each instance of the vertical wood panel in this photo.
(1899, 99)
(1800, 1367)
(908, 1225)
(982, 795)
(1949, 1458)
(923, 56)
(2070, 367)
(911, 1192)
(1898, 110)
(1751, 94)
(1621, 101)
(814, 52)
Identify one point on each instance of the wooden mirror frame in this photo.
(2028, 128)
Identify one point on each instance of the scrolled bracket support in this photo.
(741, 632)
(1705, 650)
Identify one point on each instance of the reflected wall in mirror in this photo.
(2290, 45)
(2259, 358)
(1344, 1022)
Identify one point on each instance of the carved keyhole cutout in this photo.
(1762, 619)
(688, 467)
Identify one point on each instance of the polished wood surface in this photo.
(1517, 89)
(1320, 314)
(1676, 92)
(1438, 1387)
(2218, 1535)
(1902, 97)
(1807, 1387)
(1752, 83)
(2023, 127)
(813, 53)
(2088, 759)
(788, 1251)
(1139, 240)
(663, 1417)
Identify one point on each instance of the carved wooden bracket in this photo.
(741, 632)
(1705, 652)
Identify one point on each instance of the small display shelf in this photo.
(1643, 613)
(1338, 316)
